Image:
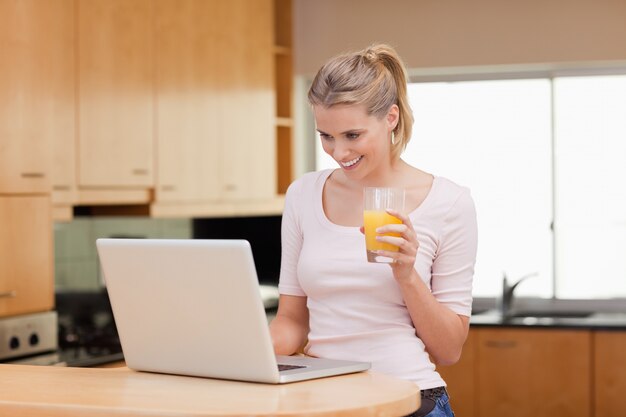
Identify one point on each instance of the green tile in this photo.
(73, 240)
(176, 229)
(76, 275)
(126, 227)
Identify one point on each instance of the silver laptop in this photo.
(193, 307)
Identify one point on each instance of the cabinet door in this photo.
(533, 372)
(115, 93)
(33, 58)
(247, 100)
(610, 373)
(26, 263)
(460, 378)
(60, 69)
(187, 105)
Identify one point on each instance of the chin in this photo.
(357, 174)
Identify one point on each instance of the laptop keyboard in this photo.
(283, 367)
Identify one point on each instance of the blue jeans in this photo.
(442, 408)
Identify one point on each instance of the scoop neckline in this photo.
(321, 214)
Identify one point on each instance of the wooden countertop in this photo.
(59, 391)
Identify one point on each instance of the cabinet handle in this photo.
(230, 187)
(501, 344)
(168, 188)
(8, 294)
(61, 188)
(140, 171)
(33, 175)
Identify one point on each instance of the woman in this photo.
(335, 304)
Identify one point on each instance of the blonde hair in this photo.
(374, 77)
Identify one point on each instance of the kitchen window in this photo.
(543, 157)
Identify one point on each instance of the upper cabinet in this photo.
(283, 75)
(36, 90)
(61, 67)
(215, 96)
(187, 100)
(246, 96)
(115, 93)
(167, 105)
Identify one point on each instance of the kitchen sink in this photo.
(580, 314)
(552, 314)
(480, 311)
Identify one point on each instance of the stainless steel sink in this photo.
(549, 316)
(575, 314)
(552, 314)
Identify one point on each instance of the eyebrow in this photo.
(343, 133)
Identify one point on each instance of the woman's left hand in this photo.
(403, 265)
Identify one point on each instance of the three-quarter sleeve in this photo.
(453, 266)
(291, 243)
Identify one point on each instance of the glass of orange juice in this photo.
(376, 201)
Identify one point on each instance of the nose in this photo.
(341, 151)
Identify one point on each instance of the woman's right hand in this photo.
(290, 328)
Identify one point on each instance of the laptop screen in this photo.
(263, 233)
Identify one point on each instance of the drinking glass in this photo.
(376, 201)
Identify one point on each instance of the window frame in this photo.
(307, 146)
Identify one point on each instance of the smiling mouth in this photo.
(352, 162)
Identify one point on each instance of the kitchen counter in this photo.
(73, 392)
(556, 319)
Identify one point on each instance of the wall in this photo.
(76, 265)
(444, 33)
(434, 34)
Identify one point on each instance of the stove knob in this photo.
(34, 339)
(14, 343)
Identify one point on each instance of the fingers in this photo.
(403, 244)
(404, 218)
(399, 258)
(393, 228)
(404, 229)
(403, 236)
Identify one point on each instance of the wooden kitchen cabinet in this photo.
(187, 100)
(214, 101)
(461, 378)
(142, 102)
(610, 373)
(247, 144)
(60, 68)
(26, 254)
(533, 372)
(283, 75)
(36, 96)
(115, 93)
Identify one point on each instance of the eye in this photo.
(353, 135)
(325, 136)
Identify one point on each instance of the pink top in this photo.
(356, 309)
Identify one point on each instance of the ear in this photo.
(393, 116)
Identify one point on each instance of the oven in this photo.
(81, 332)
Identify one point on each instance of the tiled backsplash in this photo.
(76, 265)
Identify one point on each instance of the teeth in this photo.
(350, 163)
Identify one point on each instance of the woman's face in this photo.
(360, 143)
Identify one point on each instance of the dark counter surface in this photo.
(576, 320)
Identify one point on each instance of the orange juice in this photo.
(376, 200)
(371, 221)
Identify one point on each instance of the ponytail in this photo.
(374, 77)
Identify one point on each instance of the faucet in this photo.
(507, 293)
